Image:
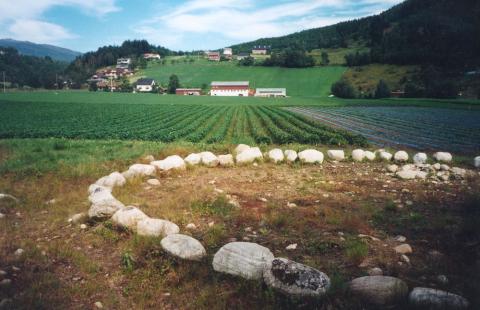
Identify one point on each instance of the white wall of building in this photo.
(144, 88)
(229, 93)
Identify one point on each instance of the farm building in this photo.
(228, 53)
(124, 63)
(230, 89)
(145, 85)
(188, 91)
(151, 56)
(260, 50)
(271, 92)
(241, 56)
(213, 56)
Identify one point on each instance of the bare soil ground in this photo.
(321, 208)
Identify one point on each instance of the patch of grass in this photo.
(215, 235)
(128, 261)
(355, 250)
(218, 207)
(66, 253)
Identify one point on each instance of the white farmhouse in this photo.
(230, 89)
(124, 63)
(145, 85)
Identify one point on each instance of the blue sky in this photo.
(85, 25)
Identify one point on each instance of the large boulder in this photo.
(112, 180)
(401, 156)
(193, 159)
(336, 154)
(242, 259)
(156, 228)
(249, 155)
(443, 157)
(173, 162)
(184, 247)
(311, 156)
(385, 155)
(104, 205)
(476, 162)
(370, 155)
(276, 155)
(420, 159)
(407, 174)
(291, 156)
(240, 148)
(95, 187)
(226, 160)
(209, 159)
(295, 279)
(139, 170)
(429, 298)
(358, 155)
(458, 173)
(128, 217)
(379, 290)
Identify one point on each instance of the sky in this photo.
(85, 25)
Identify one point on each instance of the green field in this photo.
(298, 82)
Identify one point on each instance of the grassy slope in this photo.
(299, 82)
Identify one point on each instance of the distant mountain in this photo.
(439, 32)
(41, 50)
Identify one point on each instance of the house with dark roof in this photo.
(145, 85)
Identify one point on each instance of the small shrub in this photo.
(219, 206)
(128, 261)
(343, 89)
(356, 250)
(214, 236)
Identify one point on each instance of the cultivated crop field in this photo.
(166, 123)
(416, 127)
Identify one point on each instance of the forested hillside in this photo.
(439, 32)
(41, 50)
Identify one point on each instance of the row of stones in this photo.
(250, 260)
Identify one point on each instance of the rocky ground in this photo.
(344, 219)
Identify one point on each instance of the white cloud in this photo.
(247, 20)
(22, 19)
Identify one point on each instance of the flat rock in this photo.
(104, 205)
(276, 155)
(443, 157)
(311, 156)
(244, 259)
(156, 228)
(249, 155)
(226, 160)
(336, 154)
(429, 298)
(173, 162)
(193, 159)
(153, 182)
(295, 279)
(385, 155)
(112, 180)
(420, 158)
(370, 155)
(128, 217)
(407, 174)
(401, 156)
(184, 247)
(379, 290)
(291, 156)
(139, 170)
(403, 249)
(358, 155)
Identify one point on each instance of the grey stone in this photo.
(429, 298)
(379, 290)
(184, 247)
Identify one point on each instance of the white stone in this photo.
(98, 305)
(209, 159)
(83, 226)
(128, 217)
(358, 155)
(421, 175)
(193, 159)
(385, 156)
(429, 298)
(404, 258)
(370, 155)
(403, 249)
(379, 290)
(2, 215)
(112, 180)
(336, 154)
(173, 162)
(400, 238)
(249, 155)
(276, 155)
(443, 157)
(375, 272)
(226, 160)
(184, 247)
(148, 158)
(291, 247)
(104, 205)
(156, 228)
(153, 182)
(139, 170)
(392, 168)
(444, 167)
(476, 162)
(407, 174)
(291, 156)
(311, 156)
(78, 218)
(191, 226)
(401, 156)
(459, 172)
(7, 196)
(242, 259)
(437, 166)
(19, 252)
(240, 148)
(420, 158)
